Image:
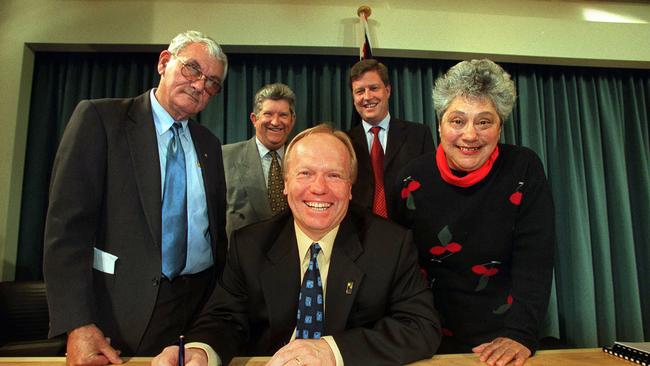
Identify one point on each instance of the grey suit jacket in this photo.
(105, 192)
(247, 196)
(406, 141)
(377, 306)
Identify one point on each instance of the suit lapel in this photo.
(253, 176)
(344, 277)
(396, 137)
(357, 135)
(280, 282)
(143, 145)
(363, 188)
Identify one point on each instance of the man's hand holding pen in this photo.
(181, 351)
(170, 357)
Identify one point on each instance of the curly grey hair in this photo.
(475, 79)
(276, 91)
(188, 37)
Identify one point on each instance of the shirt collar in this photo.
(263, 150)
(383, 124)
(326, 243)
(161, 119)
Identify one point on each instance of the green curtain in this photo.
(588, 125)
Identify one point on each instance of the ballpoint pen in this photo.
(181, 351)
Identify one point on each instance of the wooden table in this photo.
(568, 357)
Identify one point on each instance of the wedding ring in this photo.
(298, 362)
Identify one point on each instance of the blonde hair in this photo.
(324, 128)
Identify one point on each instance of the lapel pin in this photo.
(349, 287)
(205, 155)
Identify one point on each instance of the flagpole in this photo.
(365, 10)
(365, 50)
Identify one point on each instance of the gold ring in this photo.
(297, 361)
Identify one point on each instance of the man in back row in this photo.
(362, 298)
(383, 144)
(135, 231)
(253, 167)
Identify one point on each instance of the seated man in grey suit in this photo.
(253, 165)
(318, 284)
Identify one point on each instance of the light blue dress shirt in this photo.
(199, 251)
(383, 133)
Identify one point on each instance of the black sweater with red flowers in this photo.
(486, 250)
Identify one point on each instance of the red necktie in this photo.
(377, 159)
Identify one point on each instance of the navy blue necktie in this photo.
(174, 208)
(311, 320)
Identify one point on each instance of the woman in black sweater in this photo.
(482, 217)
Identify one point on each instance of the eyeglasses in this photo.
(192, 73)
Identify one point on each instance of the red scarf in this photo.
(470, 178)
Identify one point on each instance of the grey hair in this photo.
(277, 91)
(475, 79)
(186, 38)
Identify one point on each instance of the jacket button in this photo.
(155, 282)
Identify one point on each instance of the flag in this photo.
(365, 51)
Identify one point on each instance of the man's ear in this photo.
(163, 59)
(253, 117)
(388, 88)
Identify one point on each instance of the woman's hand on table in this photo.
(501, 351)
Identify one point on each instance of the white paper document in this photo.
(103, 261)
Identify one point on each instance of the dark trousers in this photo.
(177, 307)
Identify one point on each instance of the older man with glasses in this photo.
(135, 233)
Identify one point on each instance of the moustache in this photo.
(193, 92)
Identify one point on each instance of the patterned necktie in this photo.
(276, 185)
(377, 159)
(310, 315)
(174, 208)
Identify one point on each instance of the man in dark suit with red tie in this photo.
(319, 284)
(383, 144)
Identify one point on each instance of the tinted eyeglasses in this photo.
(193, 73)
